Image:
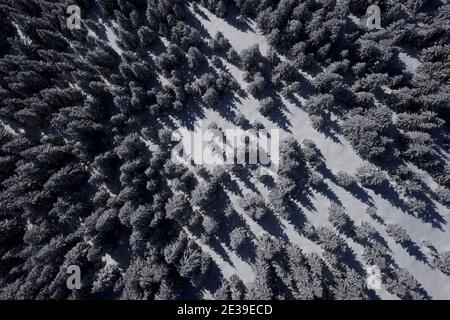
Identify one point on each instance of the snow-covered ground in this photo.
(411, 63)
(338, 155)
(239, 39)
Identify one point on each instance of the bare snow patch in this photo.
(411, 63)
(108, 260)
(240, 40)
(112, 38)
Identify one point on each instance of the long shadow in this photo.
(378, 219)
(192, 113)
(415, 251)
(245, 177)
(355, 190)
(375, 238)
(277, 116)
(330, 128)
(211, 283)
(326, 191)
(307, 89)
(193, 21)
(218, 249)
(228, 224)
(227, 106)
(233, 187)
(295, 216)
(201, 14)
(242, 24)
(267, 180)
(388, 193)
(271, 224)
(304, 199)
(430, 215)
(360, 194)
(247, 252)
(349, 258)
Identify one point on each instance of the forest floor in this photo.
(338, 155)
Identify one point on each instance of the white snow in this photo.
(112, 37)
(240, 40)
(108, 260)
(239, 267)
(8, 128)
(338, 155)
(411, 63)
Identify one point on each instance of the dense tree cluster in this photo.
(87, 177)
